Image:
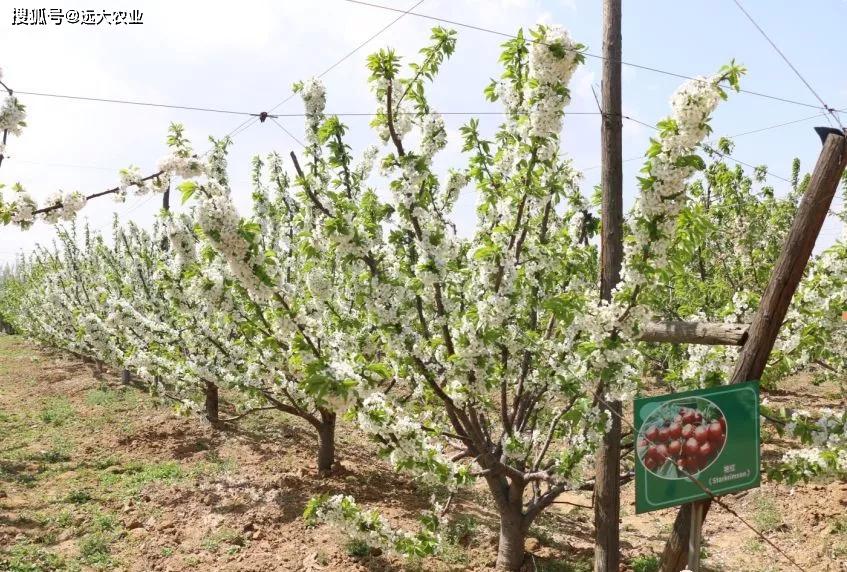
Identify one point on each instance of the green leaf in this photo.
(187, 188)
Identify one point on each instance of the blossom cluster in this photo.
(372, 528)
(12, 115)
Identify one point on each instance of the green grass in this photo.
(461, 529)
(78, 497)
(766, 514)
(645, 564)
(104, 522)
(57, 411)
(136, 475)
(101, 397)
(357, 549)
(26, 557)
(563, 566)
(95, 550)
(225, 536)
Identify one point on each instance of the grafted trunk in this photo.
(508, 496)
(326, 443)
(510, 550)
(212, 403)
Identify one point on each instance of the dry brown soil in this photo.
(98, 476)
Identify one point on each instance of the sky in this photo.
(246, 55)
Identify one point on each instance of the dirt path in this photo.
(96, 476)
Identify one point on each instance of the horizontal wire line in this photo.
(138, 103)
(256, 116)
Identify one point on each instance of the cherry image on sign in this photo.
(682, 438)
(690, 441)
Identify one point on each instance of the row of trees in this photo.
(463, 358)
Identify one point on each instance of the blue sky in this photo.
(246, 55)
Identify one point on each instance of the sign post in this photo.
(695, 536)
(696, 444)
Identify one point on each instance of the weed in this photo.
(78, 497)
(461, 529)
(101, 397)
(645, 564)
(839, 525)
(95, 549)
(753, 545)
(136, 475)
(105, 463)
(25, 557)
(357, 548)
(64, 519)
(53, 455)
(104, 522)
(562, 565)
(766, 515)
(234, 539)
(57, 411)
(167, 551)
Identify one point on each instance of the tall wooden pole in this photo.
(784, 280)
(607, 487)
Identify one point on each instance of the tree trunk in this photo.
(125, 377)
(510, 550)
(326, 443)
(212, 403)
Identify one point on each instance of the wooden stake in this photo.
(607, 484)
(784, 280)
(694, 538)
(703, 333)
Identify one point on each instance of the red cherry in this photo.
(651, 453)
(701, 434)
(652, 433)
(688, 431)
(706, 450)
(692, 447)
(664, 434)
(689, 417)
(662, 453)
(690, 465)
(698, 417)
(715, 431)
(675, 430)
(722, 421)
(650, 463)
(675, 448)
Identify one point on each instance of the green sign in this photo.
(708, 435)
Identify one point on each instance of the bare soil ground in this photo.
(98, 476)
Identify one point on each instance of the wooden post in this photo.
(704, 333)
(607, 483)
(784, 280)
(694, 537)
